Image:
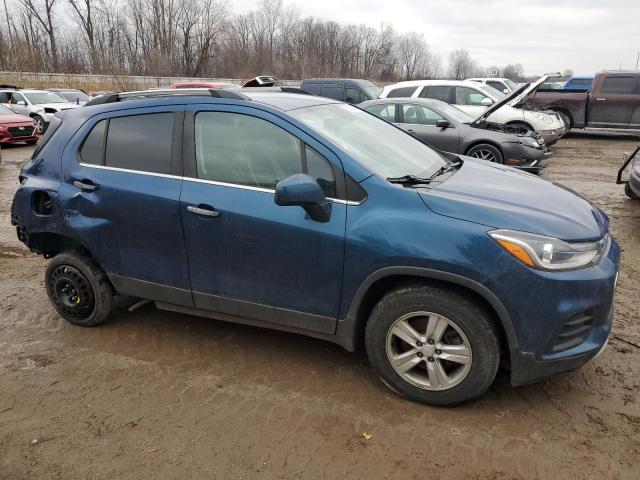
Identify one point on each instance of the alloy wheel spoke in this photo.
(455, 353)
(437, 376)
(406, 361)
(436, 327)
(404, 331)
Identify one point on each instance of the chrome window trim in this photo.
(210, 182)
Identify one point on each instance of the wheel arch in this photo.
(521, 122)
(475, 143)
(565, 112)
(51, 244)
(382, 281)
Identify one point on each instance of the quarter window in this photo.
(420, 115)
(140, 142)
(618, 85)
(92, 150)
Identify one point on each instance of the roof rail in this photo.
(169, 92)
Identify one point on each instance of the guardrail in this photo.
(106, 82)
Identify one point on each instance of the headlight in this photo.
(548, 253)
(530, 142)
(542, 117)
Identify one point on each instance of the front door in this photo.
(249, 257)
(613, 102)
(120, 196)
(469, 100)
(420, 121)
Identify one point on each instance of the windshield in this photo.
(6, 110)
(371, 141)
(71, 96)
(456, 114)
(492, 92)
(512, 86)
(38, 98)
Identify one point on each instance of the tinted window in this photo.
(468, 96)
(319, 168)
(354, 95)
(385, 110)
(92, 150)
(438, 92)
(581, 82)
(401, 92)
(140, 142)
(618, 85)
(244, 150)
(4, 97)
(420, 115)
(331, 91)
(497, 85)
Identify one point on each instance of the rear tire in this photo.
(487, 152)
(463, 329)
(78, 289)
(630, 193)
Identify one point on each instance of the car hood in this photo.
(502, 197)
(522, 98)
(12, 119)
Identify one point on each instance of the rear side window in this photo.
(140, 142)
(92, 150)
(619, 85)
(354, 95)
(331, 91)
(401, 92)
(439, 92)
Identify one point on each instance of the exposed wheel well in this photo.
(384, 285)
(520, 122)
(51, 244)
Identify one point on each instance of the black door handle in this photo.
(86, 185)
(203, 210)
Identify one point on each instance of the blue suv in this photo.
(309, 215)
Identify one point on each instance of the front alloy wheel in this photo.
(429, 351)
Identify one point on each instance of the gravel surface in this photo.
(153, 394)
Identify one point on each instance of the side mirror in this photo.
(304, 191)
(506, 91)
(21, 102)
(486, 102)
(443, 123)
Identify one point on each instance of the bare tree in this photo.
(412, 52)
(513, 72)
(461, 65)
(84, 13)
(42, 12)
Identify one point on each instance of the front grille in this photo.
(575, 330)
(16, 132)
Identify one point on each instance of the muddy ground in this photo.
(154, 394)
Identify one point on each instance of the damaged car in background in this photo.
(40, 105)
(629, 175)
(449, 129)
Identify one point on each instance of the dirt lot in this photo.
(157, 395)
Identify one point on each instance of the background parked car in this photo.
(262, 81)
(40, 105)
(447, 128)
(98, 93)
(344, 89)
(15, 128)
(503, 85)
(582, 84)
(629, 175)
(475, 98)
(613, 102)
(76, 96)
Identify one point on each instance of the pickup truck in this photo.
(612, 102)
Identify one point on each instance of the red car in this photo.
(204, 85)
(16, 128)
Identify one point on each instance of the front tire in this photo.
(630, 193)
(78, 289)
(487, 152)
(432, 345)
(41, 126)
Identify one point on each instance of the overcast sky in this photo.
(542, 35)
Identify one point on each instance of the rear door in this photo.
(120, 194)
(420, 120)
(613, 101)
(248, 256)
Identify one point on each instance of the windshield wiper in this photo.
(413, 180)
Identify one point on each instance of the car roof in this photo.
(358, 81)
(418, 100)
(24, 90)
(421, 83)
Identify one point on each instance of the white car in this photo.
(40, 105)
(475, 98)
(504, 85)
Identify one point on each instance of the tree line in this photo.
(203, 38)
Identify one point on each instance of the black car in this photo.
(447, 128)
(344, 89)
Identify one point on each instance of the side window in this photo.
(497, 85)
(140, 142)
(386, 111)
(331, 91)
(440, 92)
(420, 115)
(92, 150)
(402, 92)
(4, 97)
(354, 95)
(319, 168)
(468, 96)
(244, 150)
(16, 97)
(618, 85)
